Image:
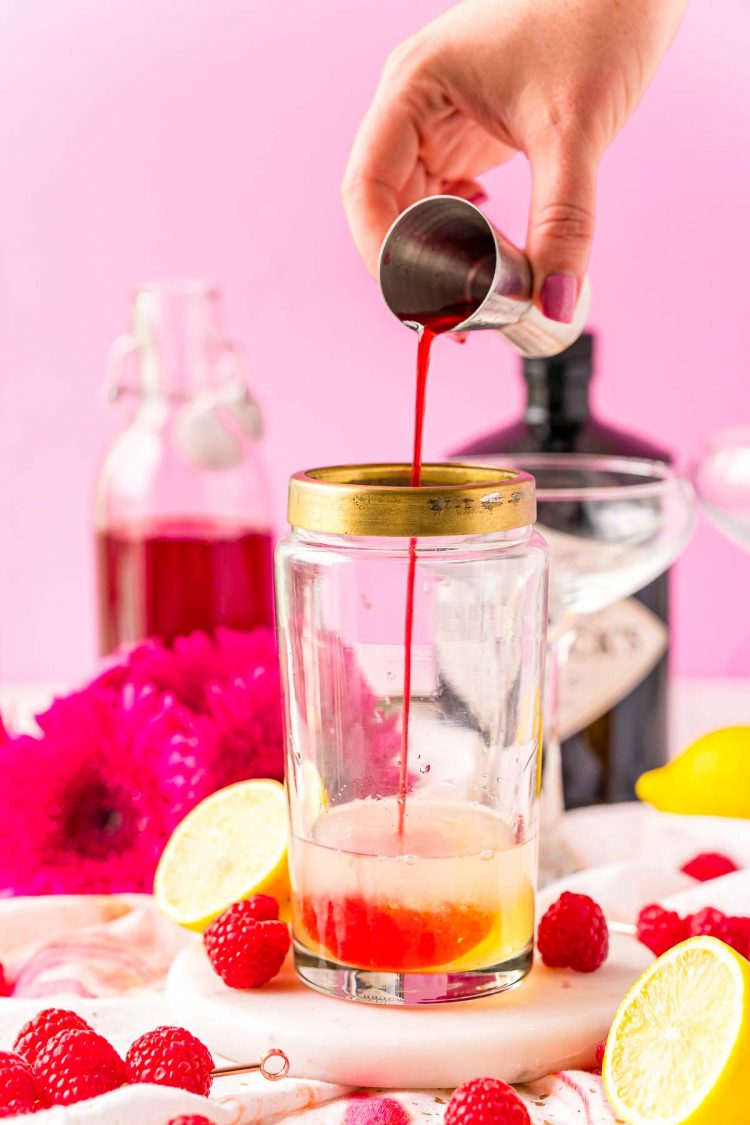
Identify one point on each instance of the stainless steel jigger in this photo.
(442, 253)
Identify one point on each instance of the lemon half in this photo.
(230, 846)
(678, 1051)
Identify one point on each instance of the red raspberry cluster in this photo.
(486, 1101)
(660, 929)
(247, 944)
(573, 934)
(58, 1059)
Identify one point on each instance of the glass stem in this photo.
(554, 860)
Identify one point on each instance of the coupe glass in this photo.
(722, 481)
(612, 525)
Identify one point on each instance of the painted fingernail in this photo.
(559, 294)
(479, 197)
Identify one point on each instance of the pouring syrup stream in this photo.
(428, 327)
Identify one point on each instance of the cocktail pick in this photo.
(622, 928)
(273, 1073)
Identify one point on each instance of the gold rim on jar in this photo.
(378, 500)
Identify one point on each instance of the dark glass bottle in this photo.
(602, 760)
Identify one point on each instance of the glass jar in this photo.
(183, 521)
(411, 632)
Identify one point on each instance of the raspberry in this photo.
(710, 922)
(77, 1064)
(486, 1101)
(5, 989)
(18, 1091)
(714, 923)
(709, 865)
(171, 1056)
(243, 950)
(261, 908)
(34, 1035)
(189, 1119)
(740, 935)
(573, 934)
(659, 929)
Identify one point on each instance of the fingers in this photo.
(382, 171)
(561, 223)
(466, 189)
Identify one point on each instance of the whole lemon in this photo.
(710, 778)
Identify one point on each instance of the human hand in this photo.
(553, 79)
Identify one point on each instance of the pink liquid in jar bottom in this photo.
(173, 577)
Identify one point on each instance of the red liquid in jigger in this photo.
(173, 577)
(431, 326)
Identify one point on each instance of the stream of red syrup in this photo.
(430, 327)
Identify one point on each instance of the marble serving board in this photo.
(552, 1021)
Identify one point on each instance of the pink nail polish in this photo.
(559, 294)
(479, 197)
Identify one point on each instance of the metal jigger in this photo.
(442, 255)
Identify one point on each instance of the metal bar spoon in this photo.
(273, 1073)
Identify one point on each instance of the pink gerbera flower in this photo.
(230, 682)
(89, 805)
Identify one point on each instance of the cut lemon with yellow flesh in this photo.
(678, 1051)
(230, 846)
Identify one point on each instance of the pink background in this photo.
(208, 137)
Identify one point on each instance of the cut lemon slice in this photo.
(678, 1051)
(230, 846)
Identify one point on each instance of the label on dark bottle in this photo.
(614, 650)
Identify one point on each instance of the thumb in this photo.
(561, 223)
